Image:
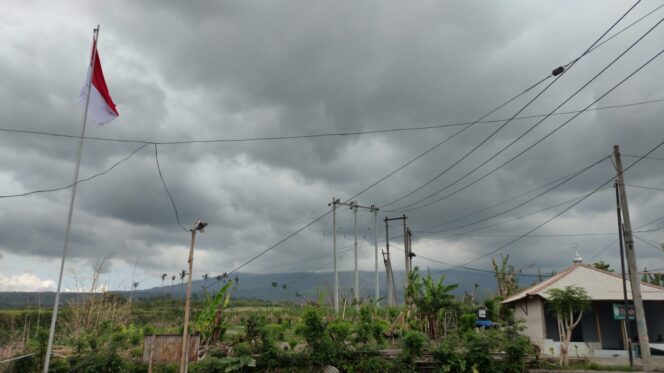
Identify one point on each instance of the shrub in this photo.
(450, 358)
(479, 347)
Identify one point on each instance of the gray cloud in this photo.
(182, 71)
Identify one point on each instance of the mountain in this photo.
(300, 286)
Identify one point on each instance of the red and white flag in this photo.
(101, 107)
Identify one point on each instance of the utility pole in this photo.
(184, 358)
(641, 327)
(405, 246)
(375, 209)
(334, 250)
(411, 254)
(356, 287)
(391, 291)
(356, 290)
(624, 281)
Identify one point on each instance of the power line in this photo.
(500, 203)
(464, 267)
(78, 182)
(317, 135)
(649, 243)
(541, 139)
(563, 70)
(444, 141)
(636, 156)
(163, 182)
(530, 199)
(644, 187)
(426, 152)
(561, 212)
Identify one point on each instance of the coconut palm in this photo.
(163, 277)
(172, 282)
(205, 278)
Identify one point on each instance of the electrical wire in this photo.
(648, 242)
(163, 182)
(561, 212)
(423, 154)
(429, 150)
(644, 187)
(403, 209)
(466, 233)
(317, 135)
(495, 132)
(548, 190)
(500, 203)
(78, 182)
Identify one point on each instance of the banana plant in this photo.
(211, 321)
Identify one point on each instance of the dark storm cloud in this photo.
(204, 70)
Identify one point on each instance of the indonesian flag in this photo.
(101, 107)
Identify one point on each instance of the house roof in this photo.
(600, 285)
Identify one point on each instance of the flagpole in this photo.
(54, 317)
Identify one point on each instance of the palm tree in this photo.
(172, 282)
(205, 278)
(133, 289)
(163, 277)
(183, 273)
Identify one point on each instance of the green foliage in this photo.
(372, 364)
(429, 298)
(412, 344)
(223, 365)
(448, 355)
(505, 276)
(211, 322)
(563, 302)
(475, 351)
(602, 266)
(99, 362)
(319, 343)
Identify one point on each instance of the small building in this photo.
(600, 333)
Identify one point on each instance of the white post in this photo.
(334, 249)
(357, 276)
(375, 211)
(54, 317)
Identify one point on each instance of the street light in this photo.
(198, 226)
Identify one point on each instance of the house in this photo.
(600, 332)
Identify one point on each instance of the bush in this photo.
(449, 356)
(412, 345)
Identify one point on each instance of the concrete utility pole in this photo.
(391, 290)
(405, 249)
(334, 203)
(354, 206)
(411, 254)
(641, 327)
(374, 209)
(356, 290)
(184, 358)
(628, 345)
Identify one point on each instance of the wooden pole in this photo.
(635, 282)
(185, 331)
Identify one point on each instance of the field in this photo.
(104, 333)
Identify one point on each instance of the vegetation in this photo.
(568, 305)
(104, 333)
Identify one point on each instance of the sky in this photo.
(181, 72)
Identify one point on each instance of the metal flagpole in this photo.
(54, 317)
(357, 276)
(375, 212)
